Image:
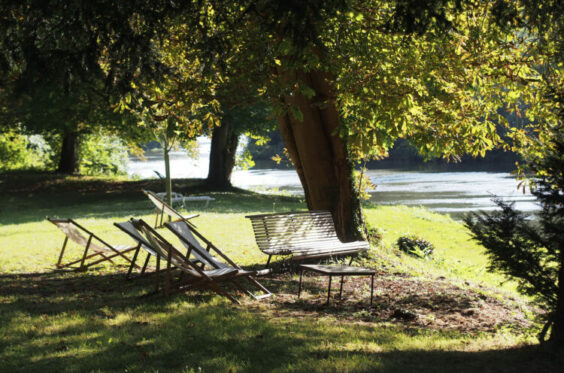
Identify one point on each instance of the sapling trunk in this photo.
(168, 181)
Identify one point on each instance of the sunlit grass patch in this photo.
(96, 321)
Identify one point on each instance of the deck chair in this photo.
(164, 208)
(187, 235)
(96, 250)
(129, 229)
(142, 243)
(191, 273)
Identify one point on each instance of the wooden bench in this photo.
(304, 235)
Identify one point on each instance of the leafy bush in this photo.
(374, 235)
(363, 184)
(102, 154)
(20, 151)
(415, 246)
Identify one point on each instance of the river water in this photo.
(445, 192)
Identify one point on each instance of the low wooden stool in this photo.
(337, 270)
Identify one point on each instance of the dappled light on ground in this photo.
(441, 314)
(84, 322)
(420, 302)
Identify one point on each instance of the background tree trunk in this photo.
(68, 161)
(222, 155)
(320, 155)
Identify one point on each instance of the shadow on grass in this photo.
(87, 321)
(53, 195)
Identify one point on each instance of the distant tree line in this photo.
(401, 155)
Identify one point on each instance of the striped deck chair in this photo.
(164, 208)
(187, 235)
(128, 228)
(191, 273)
(96, 250)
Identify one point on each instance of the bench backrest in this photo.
(292, 229)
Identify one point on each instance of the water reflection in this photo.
(446, 192)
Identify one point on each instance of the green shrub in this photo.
(22, 152)
(415, 246)
(102, 154)
(374, 235)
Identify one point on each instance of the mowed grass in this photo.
(456, 255)
(97, 321)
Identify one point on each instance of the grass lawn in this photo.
(97, 321)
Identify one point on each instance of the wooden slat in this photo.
(307, 233)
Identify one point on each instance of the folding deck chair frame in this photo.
(187, 234)
(164, 208)
(191, 275)
(91, 242)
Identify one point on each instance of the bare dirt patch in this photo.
(415, 301)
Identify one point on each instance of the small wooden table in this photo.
(337, 270)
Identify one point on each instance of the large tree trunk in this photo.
(68, 161)
(320, 155)
(222, 155)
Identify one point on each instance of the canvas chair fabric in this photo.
(194, 241)
(198, 276)
(96, 250)
(184, 232)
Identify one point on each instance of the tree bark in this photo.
(320, 155)
(222, 155)
(68, 161)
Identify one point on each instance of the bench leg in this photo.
(268, 261)
(329, 291)
(300, 285)
(350, 261)
(341, 291)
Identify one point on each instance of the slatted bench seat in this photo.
(304, 235)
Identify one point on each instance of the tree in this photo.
(346, 77)
(54, 72)
(347, 83)
(532, 251)
(176, 109)
(252, 119)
